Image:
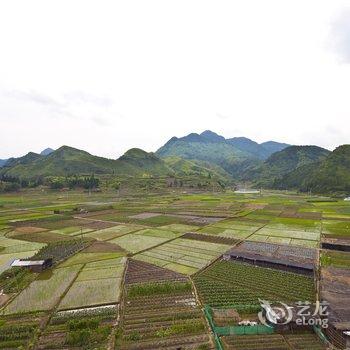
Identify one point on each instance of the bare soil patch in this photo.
(98, 225)
(335, 288)
(138, 272)
(210, 238)
(143, 216)
(103, 247)
(3, 299)
(41, 237)
(30, 229)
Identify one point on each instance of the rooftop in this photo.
(21, 263)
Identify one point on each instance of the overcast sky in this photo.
(106, 76)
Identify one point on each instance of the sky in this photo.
(106, 76)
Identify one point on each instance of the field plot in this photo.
(17, 279)
(87, 328)
(22, 216)
(228, 283)
(183, 255)
(84, 258)
(73, 230)
(182, 228)
(336, 229)
(39, 236)
(44, 292)
(10, 245)
(284, 257)
(161, 314)
(335, 289)
(335, 259)
(210, 238)
(136, 242)
(143, 216)
(98, 283)
(113, 232)
(300, 232)
(157, 232)
(307, 341)
(233, 228)
(18, 331)
(256, 342)
(139, 272)
(28, 229)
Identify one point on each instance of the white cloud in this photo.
(109, 75)
(340, 35)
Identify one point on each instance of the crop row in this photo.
(307, 341)
(161, 313)
(227, 283)
(85, 330)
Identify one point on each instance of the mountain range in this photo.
(233, 155)
(70, 161)
(207, 155)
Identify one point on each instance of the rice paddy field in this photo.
(136, 272)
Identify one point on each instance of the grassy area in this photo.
(335, 259)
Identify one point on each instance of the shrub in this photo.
(134, 336)
(78, 338)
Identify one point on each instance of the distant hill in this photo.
(25, 160)
(185, 167)
(67, 161)
(273, 146)
(211, 136)
(233, 155)
(204, 148)
(3, 162)
(281, 163)
(46, 151)
(261, 151)
(331, 174)
(143, 162)
(204, 158)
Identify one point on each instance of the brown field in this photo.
(210, 238)
(138, 271)
(103, 247)
(40, 237)
(30, 229)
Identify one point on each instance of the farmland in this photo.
(229, 283)
(273, 342)
(136, 273)
(160, 314)
(183, 256)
